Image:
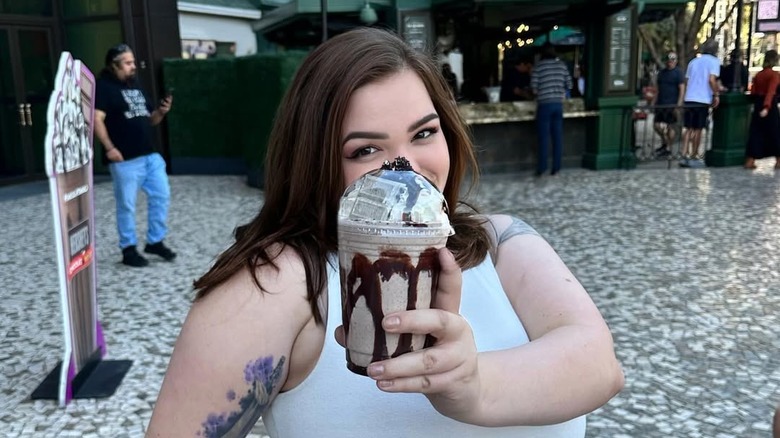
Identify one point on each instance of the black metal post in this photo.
(324, 11)
(750, 34)
(738, 46)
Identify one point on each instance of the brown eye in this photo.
(362, 152)
(425, 133)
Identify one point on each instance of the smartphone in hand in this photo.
(168, 95)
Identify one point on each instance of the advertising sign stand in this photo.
(82, 373)
(99, 379)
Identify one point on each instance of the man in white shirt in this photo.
(701, 93)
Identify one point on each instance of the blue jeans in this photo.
(549, 121)
(147, 173)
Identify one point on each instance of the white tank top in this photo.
(334, 402)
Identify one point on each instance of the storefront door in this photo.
(26, 81)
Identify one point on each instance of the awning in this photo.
(225, 8)
(341, 15)
(275, 18)
(562, 36)
(651, 11)
(543, 16)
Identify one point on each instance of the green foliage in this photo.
(266, 78)
(225, 107)
(691, 26)
(202, 122)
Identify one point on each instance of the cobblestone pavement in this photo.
(683, 264)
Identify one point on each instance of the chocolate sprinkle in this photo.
(400, 163)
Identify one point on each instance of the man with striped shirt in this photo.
(550, 82)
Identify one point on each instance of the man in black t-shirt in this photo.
(516, 84)
(734, 76)
(671, 88)
(123, 124)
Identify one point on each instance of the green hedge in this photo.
(270, 75)
(224, 109)
(202, 122)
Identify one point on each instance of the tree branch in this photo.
(679, 37)
(710, 14)
(650, 43)
(723, 23)
(694, 25)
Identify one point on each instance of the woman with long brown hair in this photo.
(520, 349)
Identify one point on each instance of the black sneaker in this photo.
(130, 257)
(663, 151)
(161, 250)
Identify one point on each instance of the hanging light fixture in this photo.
(368, 15)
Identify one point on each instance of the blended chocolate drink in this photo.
(392, 222)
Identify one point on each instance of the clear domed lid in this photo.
(395, 195)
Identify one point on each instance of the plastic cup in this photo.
(392, 222)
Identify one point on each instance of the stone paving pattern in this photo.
(683, 264)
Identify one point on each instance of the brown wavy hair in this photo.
(304, 178)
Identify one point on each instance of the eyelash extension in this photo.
(355, 154)
(432, 131)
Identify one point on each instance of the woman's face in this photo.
(393, 117)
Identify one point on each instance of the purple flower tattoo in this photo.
(262, 377)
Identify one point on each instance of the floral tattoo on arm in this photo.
(262, 378)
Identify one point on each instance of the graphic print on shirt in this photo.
(136, 103)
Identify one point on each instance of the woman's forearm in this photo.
(568, 372)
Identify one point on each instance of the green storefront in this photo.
(32, 35)
(485, 33)
(225, 107)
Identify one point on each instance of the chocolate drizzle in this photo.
(370, 277)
